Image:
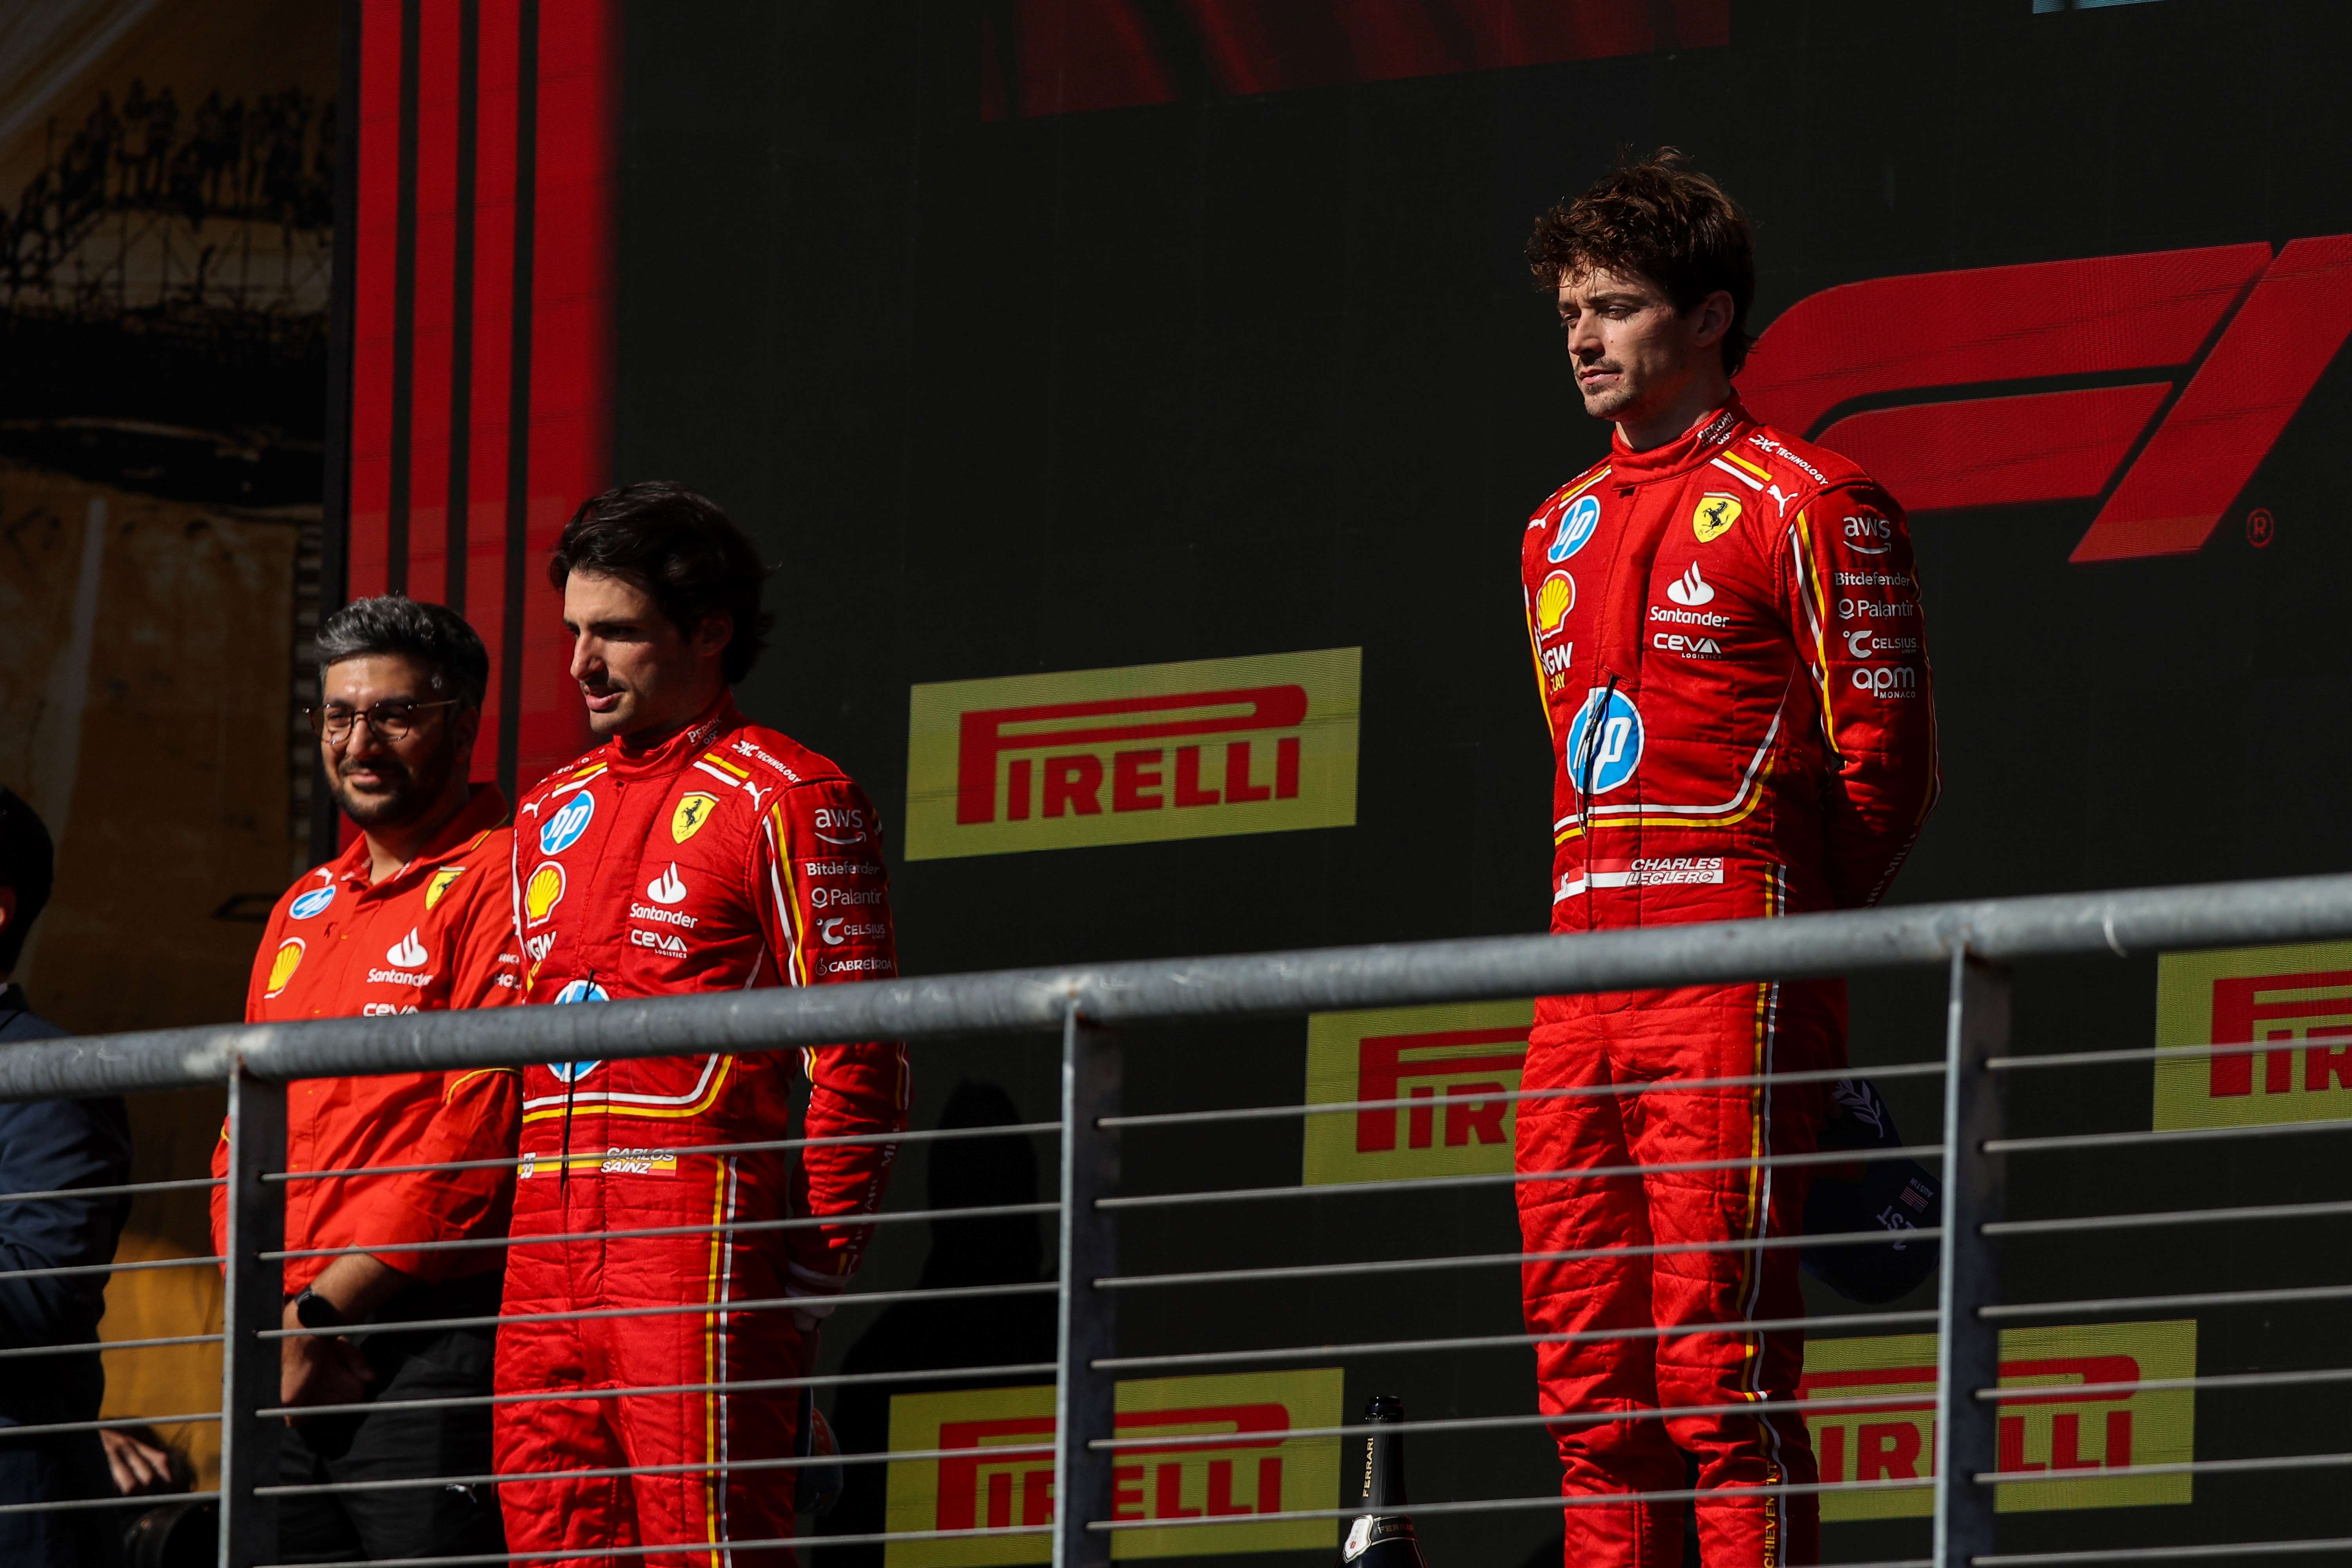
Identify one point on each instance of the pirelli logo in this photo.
(2073, 1405)
(1194, 749)
(1450, 1066)
(2295, 1001)
(998, 1468)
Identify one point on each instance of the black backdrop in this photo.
(1250, 375)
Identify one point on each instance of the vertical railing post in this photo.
(1089, 1251)
(254, 1301)
(1969, 1348)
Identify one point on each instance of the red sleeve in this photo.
(487, 970)
(220, 1195)
(480, 1118)
(827, 904)
(1861, 630)
(255, 983)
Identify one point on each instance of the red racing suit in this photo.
(727, 857)
(1727, 637)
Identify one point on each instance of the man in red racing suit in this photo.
(1726, 633)
(719, 856)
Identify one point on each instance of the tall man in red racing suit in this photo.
(694, 851)
(1726, 634)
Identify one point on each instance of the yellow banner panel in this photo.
(1260, 1470)
(2298, 995)
(1453, 1062)
(2046, 1428)
(1196, 749)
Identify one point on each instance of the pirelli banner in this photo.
(2076, 1406)
(1452, 1065)
(1195, 750)
(995, 1474)
(2295, 1001)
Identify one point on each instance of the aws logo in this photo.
(2153, 383)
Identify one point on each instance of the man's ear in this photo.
(717, 630)
(464, 727)
(1711, 319)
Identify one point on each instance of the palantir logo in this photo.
(407, 953)
(1691, 589)
(563, 829)
(1999, 386)
(667, 888)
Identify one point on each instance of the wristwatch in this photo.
(313, 1311)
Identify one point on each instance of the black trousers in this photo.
(392, 1444)
(54, 1469)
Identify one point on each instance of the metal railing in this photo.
(1973, 945)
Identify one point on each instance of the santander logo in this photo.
(1690, 589)
(667, 888)
(407, 953)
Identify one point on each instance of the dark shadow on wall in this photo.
(914, 1336)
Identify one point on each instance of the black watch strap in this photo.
(313, 1311)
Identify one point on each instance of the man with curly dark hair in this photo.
(1726, 627)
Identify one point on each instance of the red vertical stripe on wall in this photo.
(572, 343)
(494, 219)
(371, 315)
(436, 249)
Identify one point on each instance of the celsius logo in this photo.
(563, 829)
(1576, 526)
(310, 903)
(667, 888)
(407, 953)
(1604, 743)
(1690, 588)
(2005, 390)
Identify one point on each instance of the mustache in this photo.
(392, 769)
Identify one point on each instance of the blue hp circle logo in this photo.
(563, 829)
(578, 990)
(1604, 743)
(310, 903)
(1576, 526)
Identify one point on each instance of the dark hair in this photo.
(27, 863)
(1664, 220)
(680, 548)
(434, 634)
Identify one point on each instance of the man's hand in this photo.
(316, 1369)
(139, 1467)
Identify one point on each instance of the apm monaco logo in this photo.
(1122, 757)
(2153, 383)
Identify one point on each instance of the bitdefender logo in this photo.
(2154, 384)
(1122, 757)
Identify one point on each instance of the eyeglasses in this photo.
(390, 720)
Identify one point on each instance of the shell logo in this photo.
(1553, 601)
(281, 967)
(542, 893)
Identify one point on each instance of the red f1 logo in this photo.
(2157, 382)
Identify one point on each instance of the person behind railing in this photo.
(1726, 632)
(692, 852)
(411, 917)
(54, 1146)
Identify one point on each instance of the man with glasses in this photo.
(412, 917)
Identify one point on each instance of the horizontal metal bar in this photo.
(1487, 1260)
(2166, 1217)
(119, 1190)
(112, 1424)
(2218, 1380)
(103, 1345)
(657, 1152)
(1515, 1178)
(64, 1269)
(2178, 1468)
(2165, 1135)
(152, 1499)
(1845, 941)
(758, 1385)
(1510, 1342)
(2202, 1050)
(2196, 1298)
(2166, 1553)
(1581, 1091)
(737, 1227)
(765, 1544)
(707, 1467)
(766, 1304)
(1702, 1496)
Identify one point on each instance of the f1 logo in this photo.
(2155, 383)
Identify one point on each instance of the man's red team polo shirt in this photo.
(438, 933)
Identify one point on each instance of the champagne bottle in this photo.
(1381, 1536)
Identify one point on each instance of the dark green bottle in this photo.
(1381, 1536)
